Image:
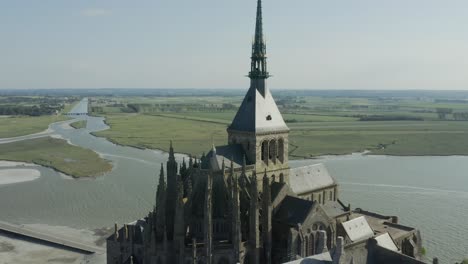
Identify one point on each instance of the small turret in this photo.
(116, 232)
(125, 232)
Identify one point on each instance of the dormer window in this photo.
(268, 118)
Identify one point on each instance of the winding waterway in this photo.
(430, 193)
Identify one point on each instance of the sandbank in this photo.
(10, 176)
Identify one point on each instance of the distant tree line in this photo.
(460, 116)
(443, 112)
(389, 118)
(29, 110)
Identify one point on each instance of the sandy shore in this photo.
(4, 163)
(9, 176)
(26, 251)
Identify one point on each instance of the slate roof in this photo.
(308, 178)
(214, 158)
(333, 209)
(258, 114)
(293, 211)
(358, 229)
(386, 241)
(275, 189)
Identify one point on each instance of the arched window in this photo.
(265, 151)
(272, 151)
(311, 245)
(280, 152)
(299, 246)
(306, 252)
(281, 178)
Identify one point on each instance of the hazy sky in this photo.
(312, 44)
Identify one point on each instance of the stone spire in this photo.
(208, 221)
(266, 218)
(254, 232)
(171, 170)
(258, 113)
(259, 65)
(179, 224)
(161, 206)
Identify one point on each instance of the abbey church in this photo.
(242, 203)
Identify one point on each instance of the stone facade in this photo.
(242, 203)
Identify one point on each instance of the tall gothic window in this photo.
(265, 151)
(280, 153)
(272, 151)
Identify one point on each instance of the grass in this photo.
(57, 154)
(155, 132)
(79, 124)
(20, 126)
(193, 133)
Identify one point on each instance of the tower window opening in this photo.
(265, 151)
(268, 118)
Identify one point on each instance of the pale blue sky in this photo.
(312, 44)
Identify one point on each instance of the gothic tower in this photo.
(171, 198)
(258, 125)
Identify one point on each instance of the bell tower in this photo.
(258, 125)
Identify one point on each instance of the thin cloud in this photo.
(95, 12)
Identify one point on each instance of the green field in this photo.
(155, 132)
(79, 124)
(57, 154)
(25, 125)
(319, 125)
(193, 134)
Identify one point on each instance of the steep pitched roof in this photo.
(308, 178)
(386, 241)
(258, 114)
(358, 229)
(293, 211)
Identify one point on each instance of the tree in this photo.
(443, 112)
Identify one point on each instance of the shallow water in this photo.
(430, 193)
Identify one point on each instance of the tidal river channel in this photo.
(430, 193)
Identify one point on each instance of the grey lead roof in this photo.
(214, 158)
(293, 211)
(309, 178)
(386, 241)
(258, 114)
(358, 229)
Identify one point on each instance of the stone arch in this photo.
(311, 244)
(265, 151)
(280, 152)
(272, 150)
(330, 235)
(299, 246)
